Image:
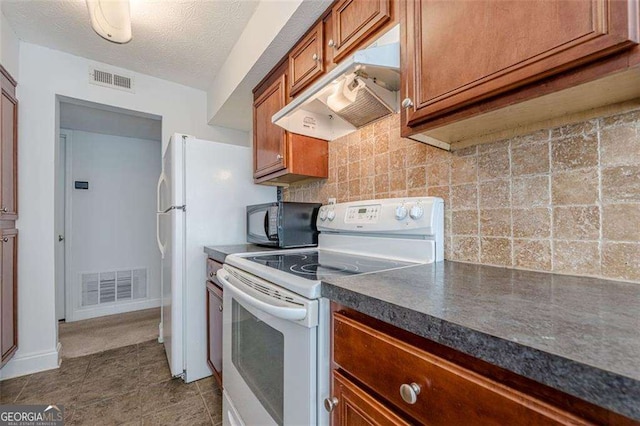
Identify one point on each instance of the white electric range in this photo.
(275, 322)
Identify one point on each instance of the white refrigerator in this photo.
(203, 190)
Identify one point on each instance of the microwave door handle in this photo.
(285, 313)
(266, 224)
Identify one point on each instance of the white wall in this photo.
(9, 47)
(113, 223)
(45, 73)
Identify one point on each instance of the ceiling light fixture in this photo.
(111, 19)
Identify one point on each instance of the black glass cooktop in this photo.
(316, 265)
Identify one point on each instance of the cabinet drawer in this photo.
(212, 268)
(448, 394)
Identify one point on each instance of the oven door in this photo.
(269, 352)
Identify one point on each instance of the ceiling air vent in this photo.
(111, 79)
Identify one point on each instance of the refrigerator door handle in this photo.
(160, 246)
(161, 179)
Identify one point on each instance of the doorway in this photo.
(107, 262)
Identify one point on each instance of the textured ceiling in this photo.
(177, 40)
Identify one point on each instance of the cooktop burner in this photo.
(318, 264)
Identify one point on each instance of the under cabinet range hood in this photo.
(358, 91)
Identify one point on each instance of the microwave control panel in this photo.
(363, 214)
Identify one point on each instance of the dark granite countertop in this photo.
(220, 253)
(575, 334)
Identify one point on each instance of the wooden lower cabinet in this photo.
(383, 375)
(214, 321)
(356, 407)
(8, 294)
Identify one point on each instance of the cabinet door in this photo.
(214, 330)
(355, 20)
(8, 156)
(355, 407)
(459, 52)
(8, 294)
(306, 60)
(269, 142)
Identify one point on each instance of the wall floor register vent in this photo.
(99, 288)
(105, 78)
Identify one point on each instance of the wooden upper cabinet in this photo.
(327, 25)
(459, 52)
(306, 60)
(356, 20)
(8, 150)
(269, 140)
(8, 294)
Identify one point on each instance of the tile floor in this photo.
(130, 385)
(113, 331)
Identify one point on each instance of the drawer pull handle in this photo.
(211, 274)
(330, 403)
(220, 308)
(409, 393)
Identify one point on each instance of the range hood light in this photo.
(111, 19)
(343, 94)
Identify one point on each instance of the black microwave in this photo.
(283, 224)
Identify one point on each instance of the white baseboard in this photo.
(119, 308)
(23, 364)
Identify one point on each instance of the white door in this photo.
(60, 200)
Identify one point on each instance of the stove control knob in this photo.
(401, 212)
(331, 215)
(323, 215)
(416, 212)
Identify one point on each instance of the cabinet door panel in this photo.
(355, 20)
(8, 153)
(269, 142)
(306, 60)
(8, 292)
(214, 330)
(357, 408)
(461, 52)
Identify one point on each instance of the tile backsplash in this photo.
(565, 200)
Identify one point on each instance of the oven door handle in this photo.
(282, 312)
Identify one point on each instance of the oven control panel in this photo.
(362, 214)
(410, 215)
